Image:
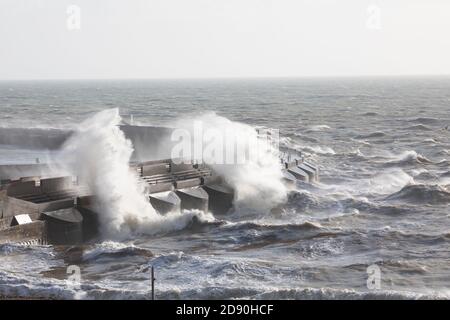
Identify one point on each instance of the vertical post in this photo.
(153, 283)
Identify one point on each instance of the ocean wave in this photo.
(346, 195)
(444, 163)
(44, 251)
(356, 152)
(407, 158)
(292, 145)
(411, 237)
(419, 127)
(425, 120)
(9, 248)
(30, 286)
(34, 138)
(301, 199)
(43, 288)
(275, 293)
(422, 194)
(256, 235)
(445, 174)
(344, 294)
(377, 134)
(281, 227)
(364, 205)
(111, 249)
(406, 266)
(370, 114)
(425, 176)
(354, 155)
(217, 292)
(306, 138)
(169, 258)
(317, 128)
(207, 293)
(430, 140)
(389, 181)
(322, 150)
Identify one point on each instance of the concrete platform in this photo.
(165, 202)
(220, 198)
(193, 198)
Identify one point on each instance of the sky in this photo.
(96, 39)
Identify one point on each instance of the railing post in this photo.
(153, 283)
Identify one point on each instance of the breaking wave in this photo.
(419, 193)
(293, 145)
(114, 250)
(257, 182)
(344, 294)
(323, 150)
(408, 158)
(99, 154)
(317, 128)
(306, 137)
(58, 290)
(260, 226)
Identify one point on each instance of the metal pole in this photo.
(153, 283)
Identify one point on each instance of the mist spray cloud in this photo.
(253, 171)
(99, 155)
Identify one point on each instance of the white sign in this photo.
(23, 219)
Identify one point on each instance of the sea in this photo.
(375, 226)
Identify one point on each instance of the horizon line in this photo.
(230, 78)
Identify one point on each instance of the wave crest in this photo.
(419, 193)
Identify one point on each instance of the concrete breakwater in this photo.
(57, 210)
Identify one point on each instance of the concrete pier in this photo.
(310, 172)
(64, 226)
(193, 198)
(48, 206)
(220, 198)
(298, 173)
(31, 233)
(314, 168)
(40, 204)
(288, 177)
(165, 202)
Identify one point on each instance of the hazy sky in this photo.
(222, 38)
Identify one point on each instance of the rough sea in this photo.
(383, 200)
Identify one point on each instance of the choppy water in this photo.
(384, 197)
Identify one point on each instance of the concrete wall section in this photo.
(220, 198)
(56, 184)
(188, 183)
(193, 198)
(159, 187)
(36, 230)
(14, 206)
(22, 188)
(161, 168)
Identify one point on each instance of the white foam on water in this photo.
(257, 181)
(381, 183)
(98, 154)
(313, 149)
(403, 157)
(320, 127)
(388, 182)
